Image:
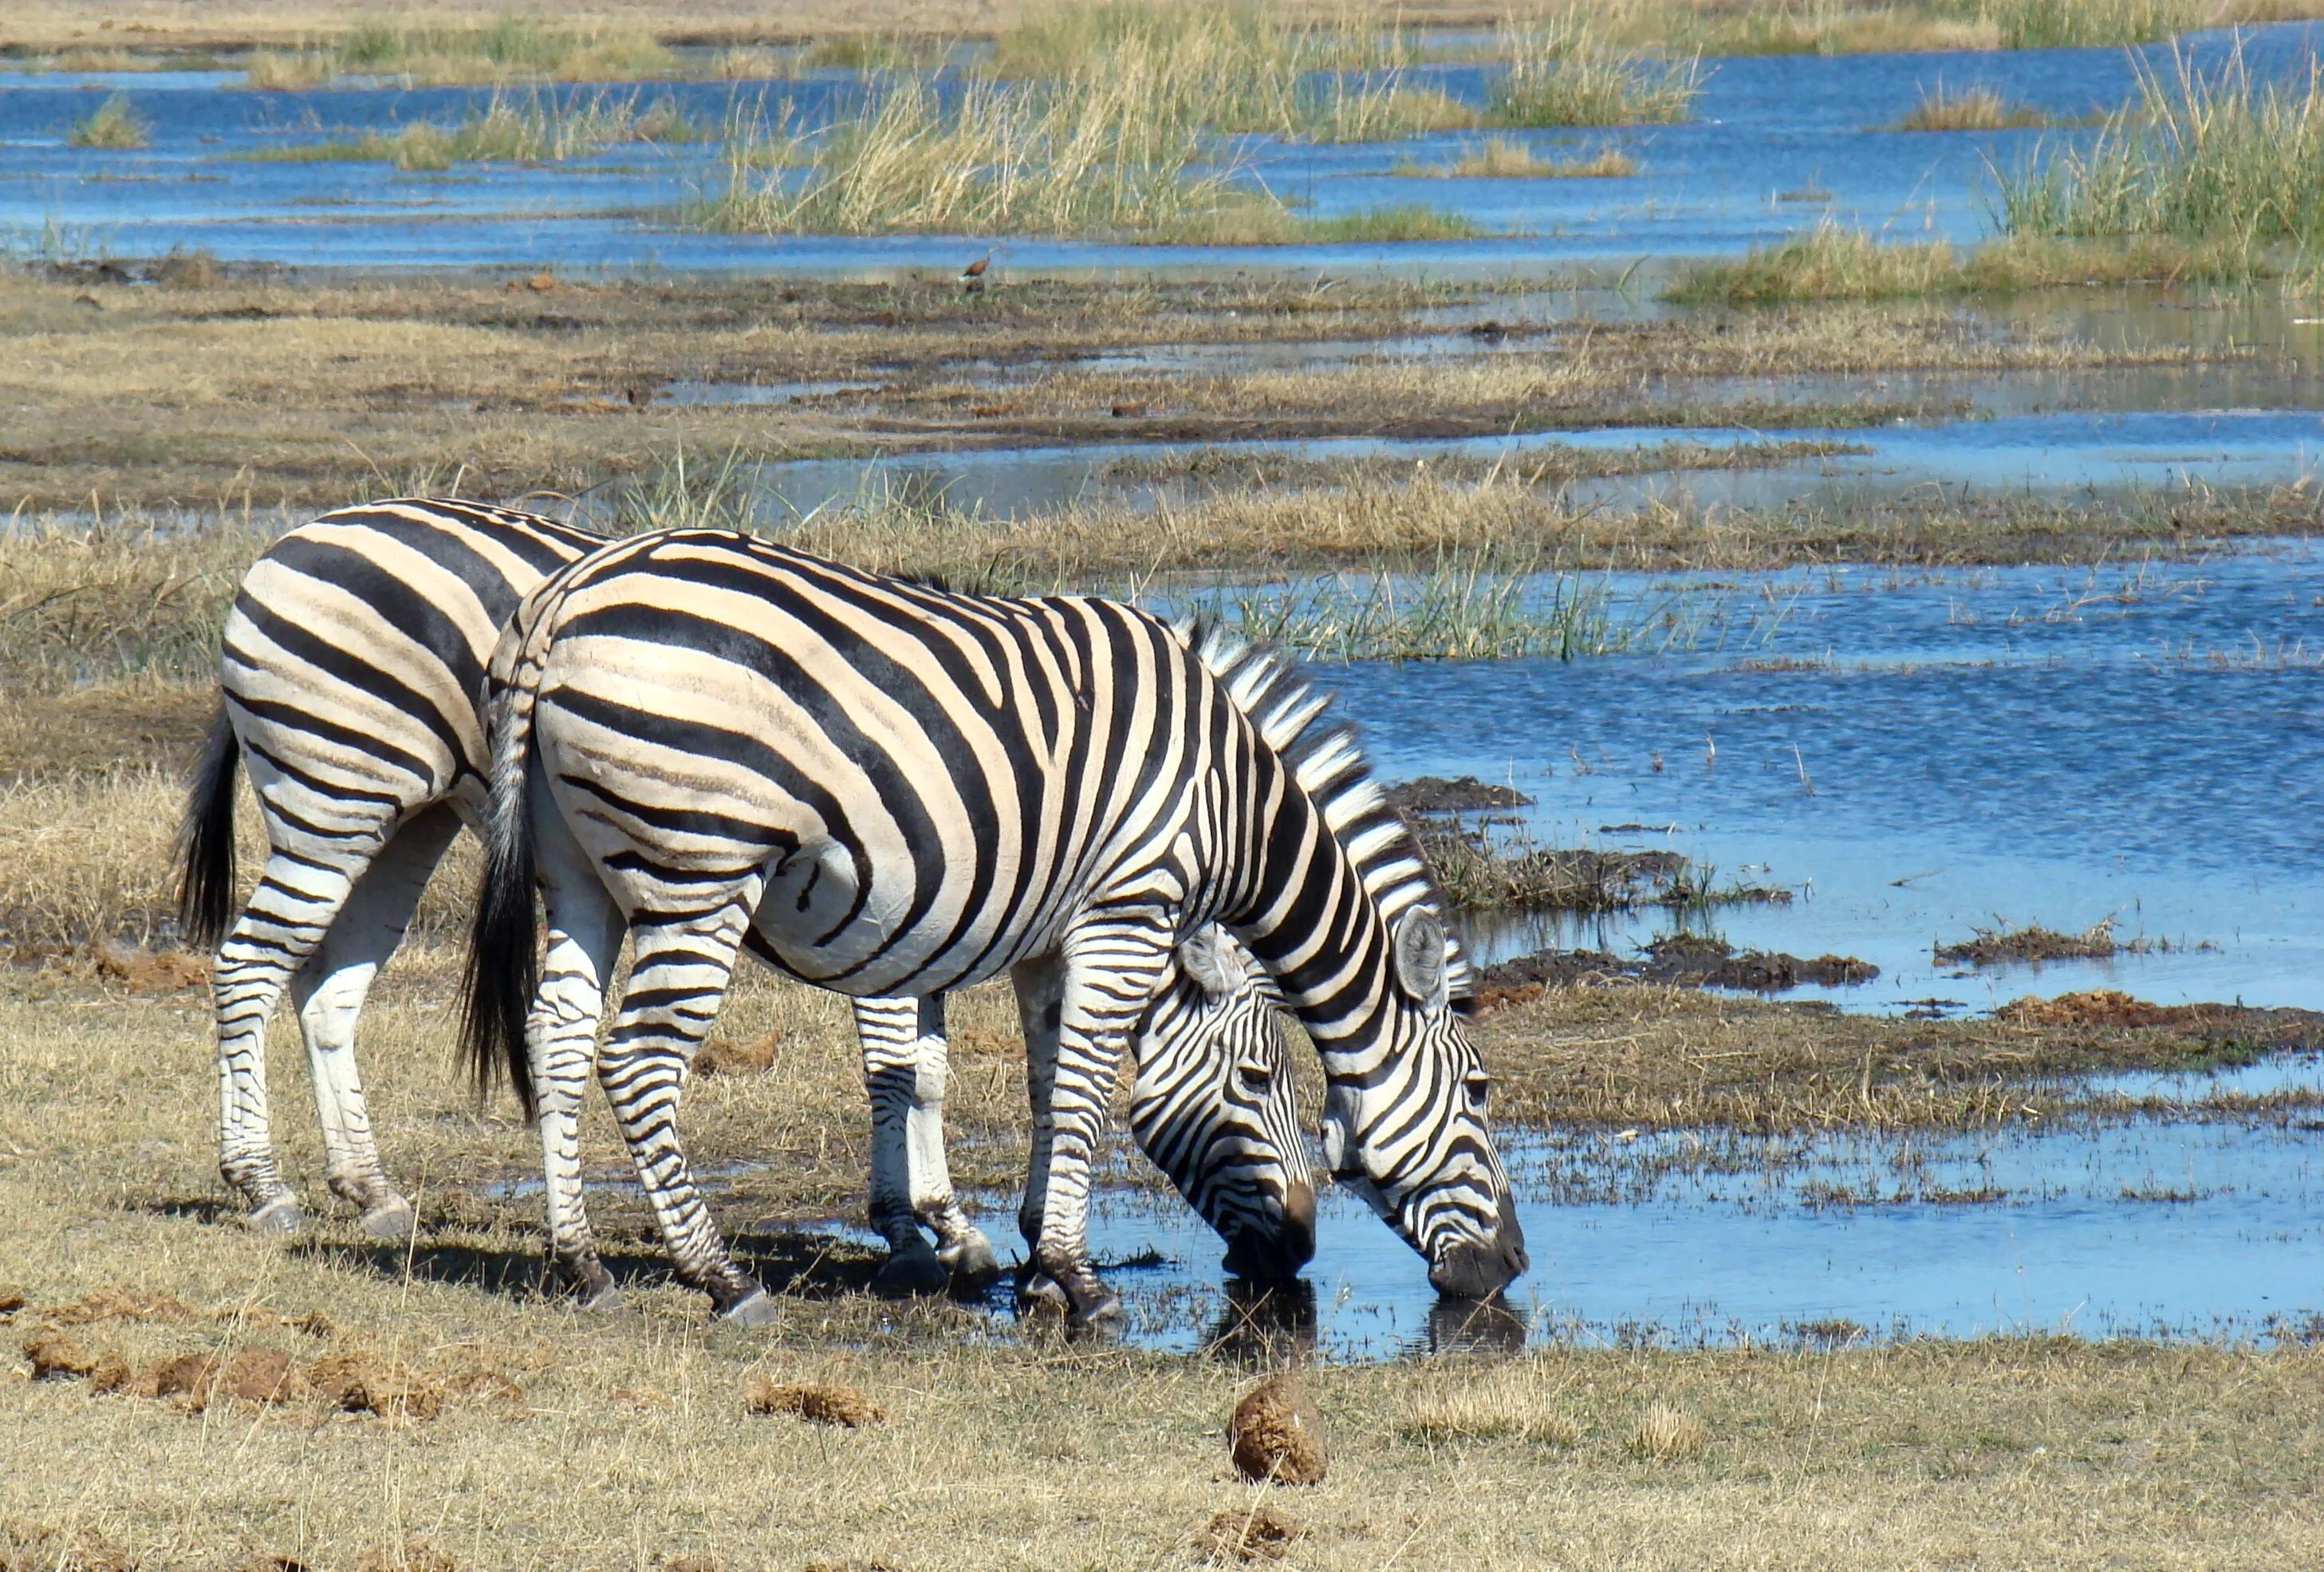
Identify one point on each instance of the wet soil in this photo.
(1465, 794)
(1680, 960)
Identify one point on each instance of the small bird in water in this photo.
(972, 277)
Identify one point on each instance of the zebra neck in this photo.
(1316, 927)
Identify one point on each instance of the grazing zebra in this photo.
(351, 666)
(703, 740)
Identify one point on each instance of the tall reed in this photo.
(1560, 71)
(2211, 158)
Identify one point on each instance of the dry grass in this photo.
(2002, 944)
(1668, 1435)
(1972, 108)
(1521, 1401)
(1831, 263)
(1506, 158)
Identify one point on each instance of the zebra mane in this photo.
(1294, 718)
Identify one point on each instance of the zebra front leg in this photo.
(328, 993)
(678, 973)
(585, 936)
(1111, 967)
(889, 1032)
(297, 900)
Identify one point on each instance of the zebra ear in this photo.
(1420, 957)
(1207, 960)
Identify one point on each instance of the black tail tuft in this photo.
(503, 961)
(206, 840)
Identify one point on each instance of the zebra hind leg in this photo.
(585, 938)
(297, 901)
(678, 973)
(328, 993)
(965, 1254)
(889, 1032)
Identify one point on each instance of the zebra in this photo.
(350, 669)
(703, 740)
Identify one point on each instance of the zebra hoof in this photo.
(910, 1273)
(1101, 1311)
(1038, 1293)
(597, 1298)
(753, 1310)
(392, 1219)
(283, 1215)
(971, 1262)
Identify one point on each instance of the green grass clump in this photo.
(112, 123)
(1972, 108)
(1827, 263)
(1561, 72)
(1506, 158)
(533, 132)
(2206, 160)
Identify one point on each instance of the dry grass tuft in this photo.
(413, 1556)
(1254, 1533)
(36, 1547)
(1508, 1403)
(1668, 1435)
(1972, 108)
(816, 1402)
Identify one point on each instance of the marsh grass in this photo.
(1506, 158)
(1464, 606)
(2213, 160)
(507, 48)
(113, 124)
(1560, 71)
(1835, 262)
(1109, 152)
(1975, 107)
(537, 130)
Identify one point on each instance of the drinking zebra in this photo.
(703, 740)
(351, 665)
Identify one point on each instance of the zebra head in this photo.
(1213, 1105)
(1403, 1124)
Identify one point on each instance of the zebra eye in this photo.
(1256, 1078)
(1479, 1086)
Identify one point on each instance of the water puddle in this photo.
(1766, 131)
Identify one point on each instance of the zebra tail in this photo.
(503, 966)
(205, 840)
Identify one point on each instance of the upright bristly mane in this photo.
(1296, 719)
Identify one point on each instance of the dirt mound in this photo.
(2006, 946)
(147, 971)
(34, 1547)
(1276, 1433)
(359, 1383)
(824, 1404)
(719, 1057)
(2107, 1007)
(1257, 1533)
(1681, 961)
(1465, 794)
(261, 1375)
(55, 1357)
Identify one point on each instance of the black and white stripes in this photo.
(891, 788)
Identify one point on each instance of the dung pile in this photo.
(819, 1403)
(1276, 1433)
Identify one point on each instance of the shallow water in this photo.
(2179, 1228)
(1778, 143)
(1916, 754)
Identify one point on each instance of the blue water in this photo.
(1765, 130)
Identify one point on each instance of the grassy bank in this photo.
(1831, 262)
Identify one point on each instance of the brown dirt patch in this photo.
(147, 971)
(1276, 1433)
(1257, 1533)
(1680, 960)
(722, 1057)
(34, 1547)
(55, 1357)
(1463, 794)
(824, 1404)
(2111, 1007)
(359, 1383)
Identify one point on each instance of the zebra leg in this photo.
(328, 994)
(560, 1032)
(1112, 965)
(1040, 992)
(961, 1246)
(889, 1031)
(298, 899)
(678, 973)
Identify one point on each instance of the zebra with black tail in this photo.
(702, 741)
(350, 668)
